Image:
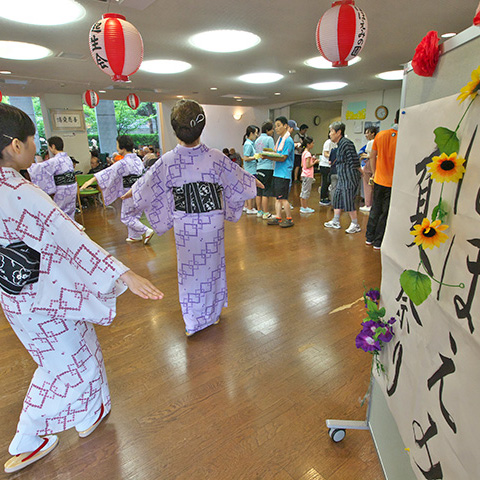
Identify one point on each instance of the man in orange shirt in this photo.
(382, 161)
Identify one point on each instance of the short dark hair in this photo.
(303, 126)
(57, 142)
(225, 151)
(282, 119)
(188, 120)
(125, 142)
(267, 126)
(94, 153)
(306, 141)
(338, 126)
(14, 123)
(372, 129)
(397, 116)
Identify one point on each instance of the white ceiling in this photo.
(287, 30)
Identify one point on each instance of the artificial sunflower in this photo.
(447, 168)
(471, 89)
(429, 235)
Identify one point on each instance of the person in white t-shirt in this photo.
(367, 172)
(324, 167)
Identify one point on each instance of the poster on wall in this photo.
(68, 120)
(356, 111)
(432, 376)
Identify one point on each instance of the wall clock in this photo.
(381, 112)
(316, 120)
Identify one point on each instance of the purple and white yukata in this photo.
(199, 237)
(43, 174)
(111, 181)
(77, 285)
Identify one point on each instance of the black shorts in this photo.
(266, 177)
(281, 188)
(297, 161)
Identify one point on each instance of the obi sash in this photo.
(198, 197)
(66, 178)
(129, 180)
(19, 266)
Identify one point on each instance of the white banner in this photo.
(432, 384)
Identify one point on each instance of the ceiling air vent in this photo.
(70, 56)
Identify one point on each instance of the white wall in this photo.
(76, 143)
(391, 99)
(222, 130)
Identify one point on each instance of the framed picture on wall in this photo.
(68, 120)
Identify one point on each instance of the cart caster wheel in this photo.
(337, 434)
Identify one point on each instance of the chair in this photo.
(94, 189)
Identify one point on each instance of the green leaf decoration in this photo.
(446, 140)
(435, 212)
(416, 285)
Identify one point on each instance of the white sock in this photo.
(24, 443)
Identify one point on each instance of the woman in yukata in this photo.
(54, 284)
(194, 189)
(117, 180)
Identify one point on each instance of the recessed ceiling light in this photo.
(5, 72)
(328, 85)
(102, 91)
(277, 93)
(45, 12)
(224, 41)
(22, 51)
(164, 66)
(261, 77)
(180, 96)
(239, 100)
(448, 35)
(213, 88)
(322, 62)
(391, 75)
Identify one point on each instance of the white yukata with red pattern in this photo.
(78, 285)
(41, 174)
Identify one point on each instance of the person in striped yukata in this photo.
(349, 175)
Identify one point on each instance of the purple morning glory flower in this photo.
(392, 320)
(370, 328)
(366, 342)
(373, 295)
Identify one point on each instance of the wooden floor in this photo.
(246, 399)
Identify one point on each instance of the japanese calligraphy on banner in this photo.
(68, 120)
(432, 384)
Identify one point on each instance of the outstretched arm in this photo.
(141, 286)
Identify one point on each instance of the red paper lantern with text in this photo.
(116, 46)
(90, 98)
(342, 32)
(1, 96)
(133, 101)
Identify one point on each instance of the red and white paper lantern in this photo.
(90, 98)
(133, 101)
(116, 46)
(342, 32)
(1, 96)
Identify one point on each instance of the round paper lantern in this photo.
(90, 98)
(133, 101)
(342, 32)
(116, 46)
(1, 96)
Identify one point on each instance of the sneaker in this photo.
(148, 236)
(365, 209)
(244, 209)
(252, 211)
(332, 224)
(368, 243)
(353, 228)
(273, 221)
(133, 240)
(267, 215)
(376, 248)
(324, 203)
(288, 222)
(309, 210)
(259, 213)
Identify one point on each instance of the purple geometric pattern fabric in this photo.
(110, 181)
(77, 286)
(41, 174)
(199, 237)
